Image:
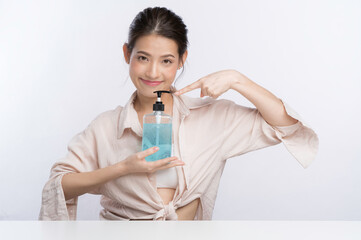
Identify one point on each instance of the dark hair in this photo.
(160, 21)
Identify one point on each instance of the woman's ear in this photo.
(184, 57)
(126, 53)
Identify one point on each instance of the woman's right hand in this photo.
(76, 184)
(137, 163)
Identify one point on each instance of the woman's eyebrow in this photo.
(147, 54)
(168, 55)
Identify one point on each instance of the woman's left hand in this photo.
(214, 84)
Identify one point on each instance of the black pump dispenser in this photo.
(159, 106)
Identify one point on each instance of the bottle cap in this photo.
(158, 105)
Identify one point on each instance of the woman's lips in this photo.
(151, 83)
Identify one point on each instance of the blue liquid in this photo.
(159, 135)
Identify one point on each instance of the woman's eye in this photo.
(142, 58)
(167, 61)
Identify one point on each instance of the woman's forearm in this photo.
(76, 184)
(270, 107)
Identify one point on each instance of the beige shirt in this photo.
(206, 132)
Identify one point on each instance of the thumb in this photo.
(148, 152)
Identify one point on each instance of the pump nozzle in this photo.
(159, 106)
(159, 93)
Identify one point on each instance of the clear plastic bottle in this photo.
(157, 131)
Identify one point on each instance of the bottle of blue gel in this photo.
(157, 131)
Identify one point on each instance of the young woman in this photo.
(106, 158)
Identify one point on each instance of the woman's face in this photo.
(153, 63)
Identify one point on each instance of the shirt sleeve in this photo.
(246, 131)
(81, 157)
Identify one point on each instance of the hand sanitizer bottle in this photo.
(157, 131)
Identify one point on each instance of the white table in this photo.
(249, 230)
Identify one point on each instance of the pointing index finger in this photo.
(188, 88)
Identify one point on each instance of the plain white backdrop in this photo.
(61, 65)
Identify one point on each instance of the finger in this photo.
(173, 164)
(203, 93)
(147, 152)
(188, 88)
(166, 161)
(170, 164)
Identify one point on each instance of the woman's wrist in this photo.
(240, 82)
(121, 169)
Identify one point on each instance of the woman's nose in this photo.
(153, 71)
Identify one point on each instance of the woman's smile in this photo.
(151, 83)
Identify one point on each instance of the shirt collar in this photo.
(129, 118)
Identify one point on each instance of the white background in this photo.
(61, 65)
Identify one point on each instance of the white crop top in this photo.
(167, 178)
